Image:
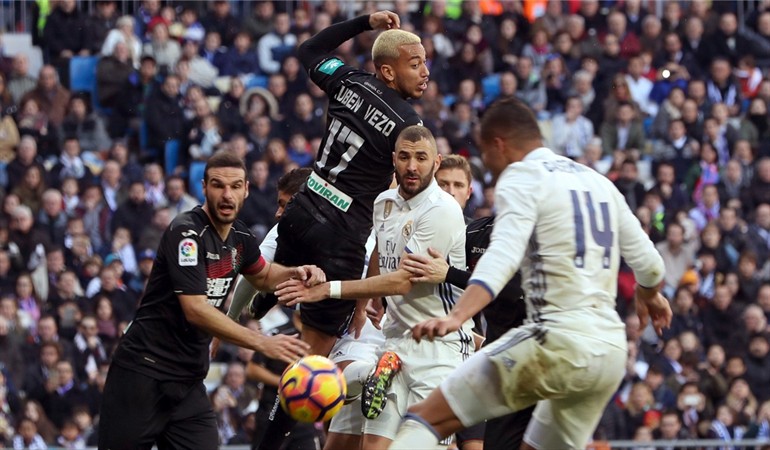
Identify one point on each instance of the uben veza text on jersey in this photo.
(373, 116)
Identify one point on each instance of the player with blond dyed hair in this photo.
(330, 219)
(415, 216)
(386, 47)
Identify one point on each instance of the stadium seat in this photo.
(143, 135)
(256, 81)
(490, 87)
(194, 181)
(171, 156)
(83, 74)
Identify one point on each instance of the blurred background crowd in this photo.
(106, 127)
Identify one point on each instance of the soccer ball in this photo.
(312, 389)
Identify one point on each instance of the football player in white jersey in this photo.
(570, 226)
(411, 218)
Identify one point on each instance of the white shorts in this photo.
(571, 378)
(350, 420)
(365, 348)
(424, 366)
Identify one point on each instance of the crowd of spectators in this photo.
(672, 107)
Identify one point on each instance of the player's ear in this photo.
(499, 145)
(388, 73)
(247, 189)
(437, 162)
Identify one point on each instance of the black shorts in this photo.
(507, 432)
(303, 239)
(298, 435)
(139, 411)
(472, 433)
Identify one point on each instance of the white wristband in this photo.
(335, 289)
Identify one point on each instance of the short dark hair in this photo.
(223, 158)
(53, 248)
(509, 118)
(175, 177)
(673, 121)
(54, 345)
(416, 133)
(457, 162)
(292, 181)
(629, 162)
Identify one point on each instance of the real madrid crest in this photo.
(407, 230)
(388, 208)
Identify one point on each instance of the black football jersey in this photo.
(506, 311)
(356, 155)
(192, 259)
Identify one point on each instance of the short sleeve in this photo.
(269, 244)
(185, 259)
(253, 262)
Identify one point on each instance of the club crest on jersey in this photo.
(188, 252)
(388, 208)
(407, 230)
(234, 257)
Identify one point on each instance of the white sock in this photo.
(355, 375)
(415, 434)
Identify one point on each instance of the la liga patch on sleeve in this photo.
(188, 252)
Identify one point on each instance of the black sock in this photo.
(271, 433)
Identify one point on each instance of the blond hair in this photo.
(385, 48)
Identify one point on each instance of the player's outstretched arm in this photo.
(427, 269)
(394, 283)
(473, 300)
(384, 20)
(198, 312)
(274, 274)
(323, 43)
(260, 374)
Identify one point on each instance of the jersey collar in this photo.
(417, 200)
(539, 153)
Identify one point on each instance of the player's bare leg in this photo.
(472, 445)
(427, 422)
(320, 342)
(373, 442)
(340, 441)
(435, 410)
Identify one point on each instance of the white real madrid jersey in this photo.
(567, 226)
(431, 219)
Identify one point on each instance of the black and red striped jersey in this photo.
(192, 259)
